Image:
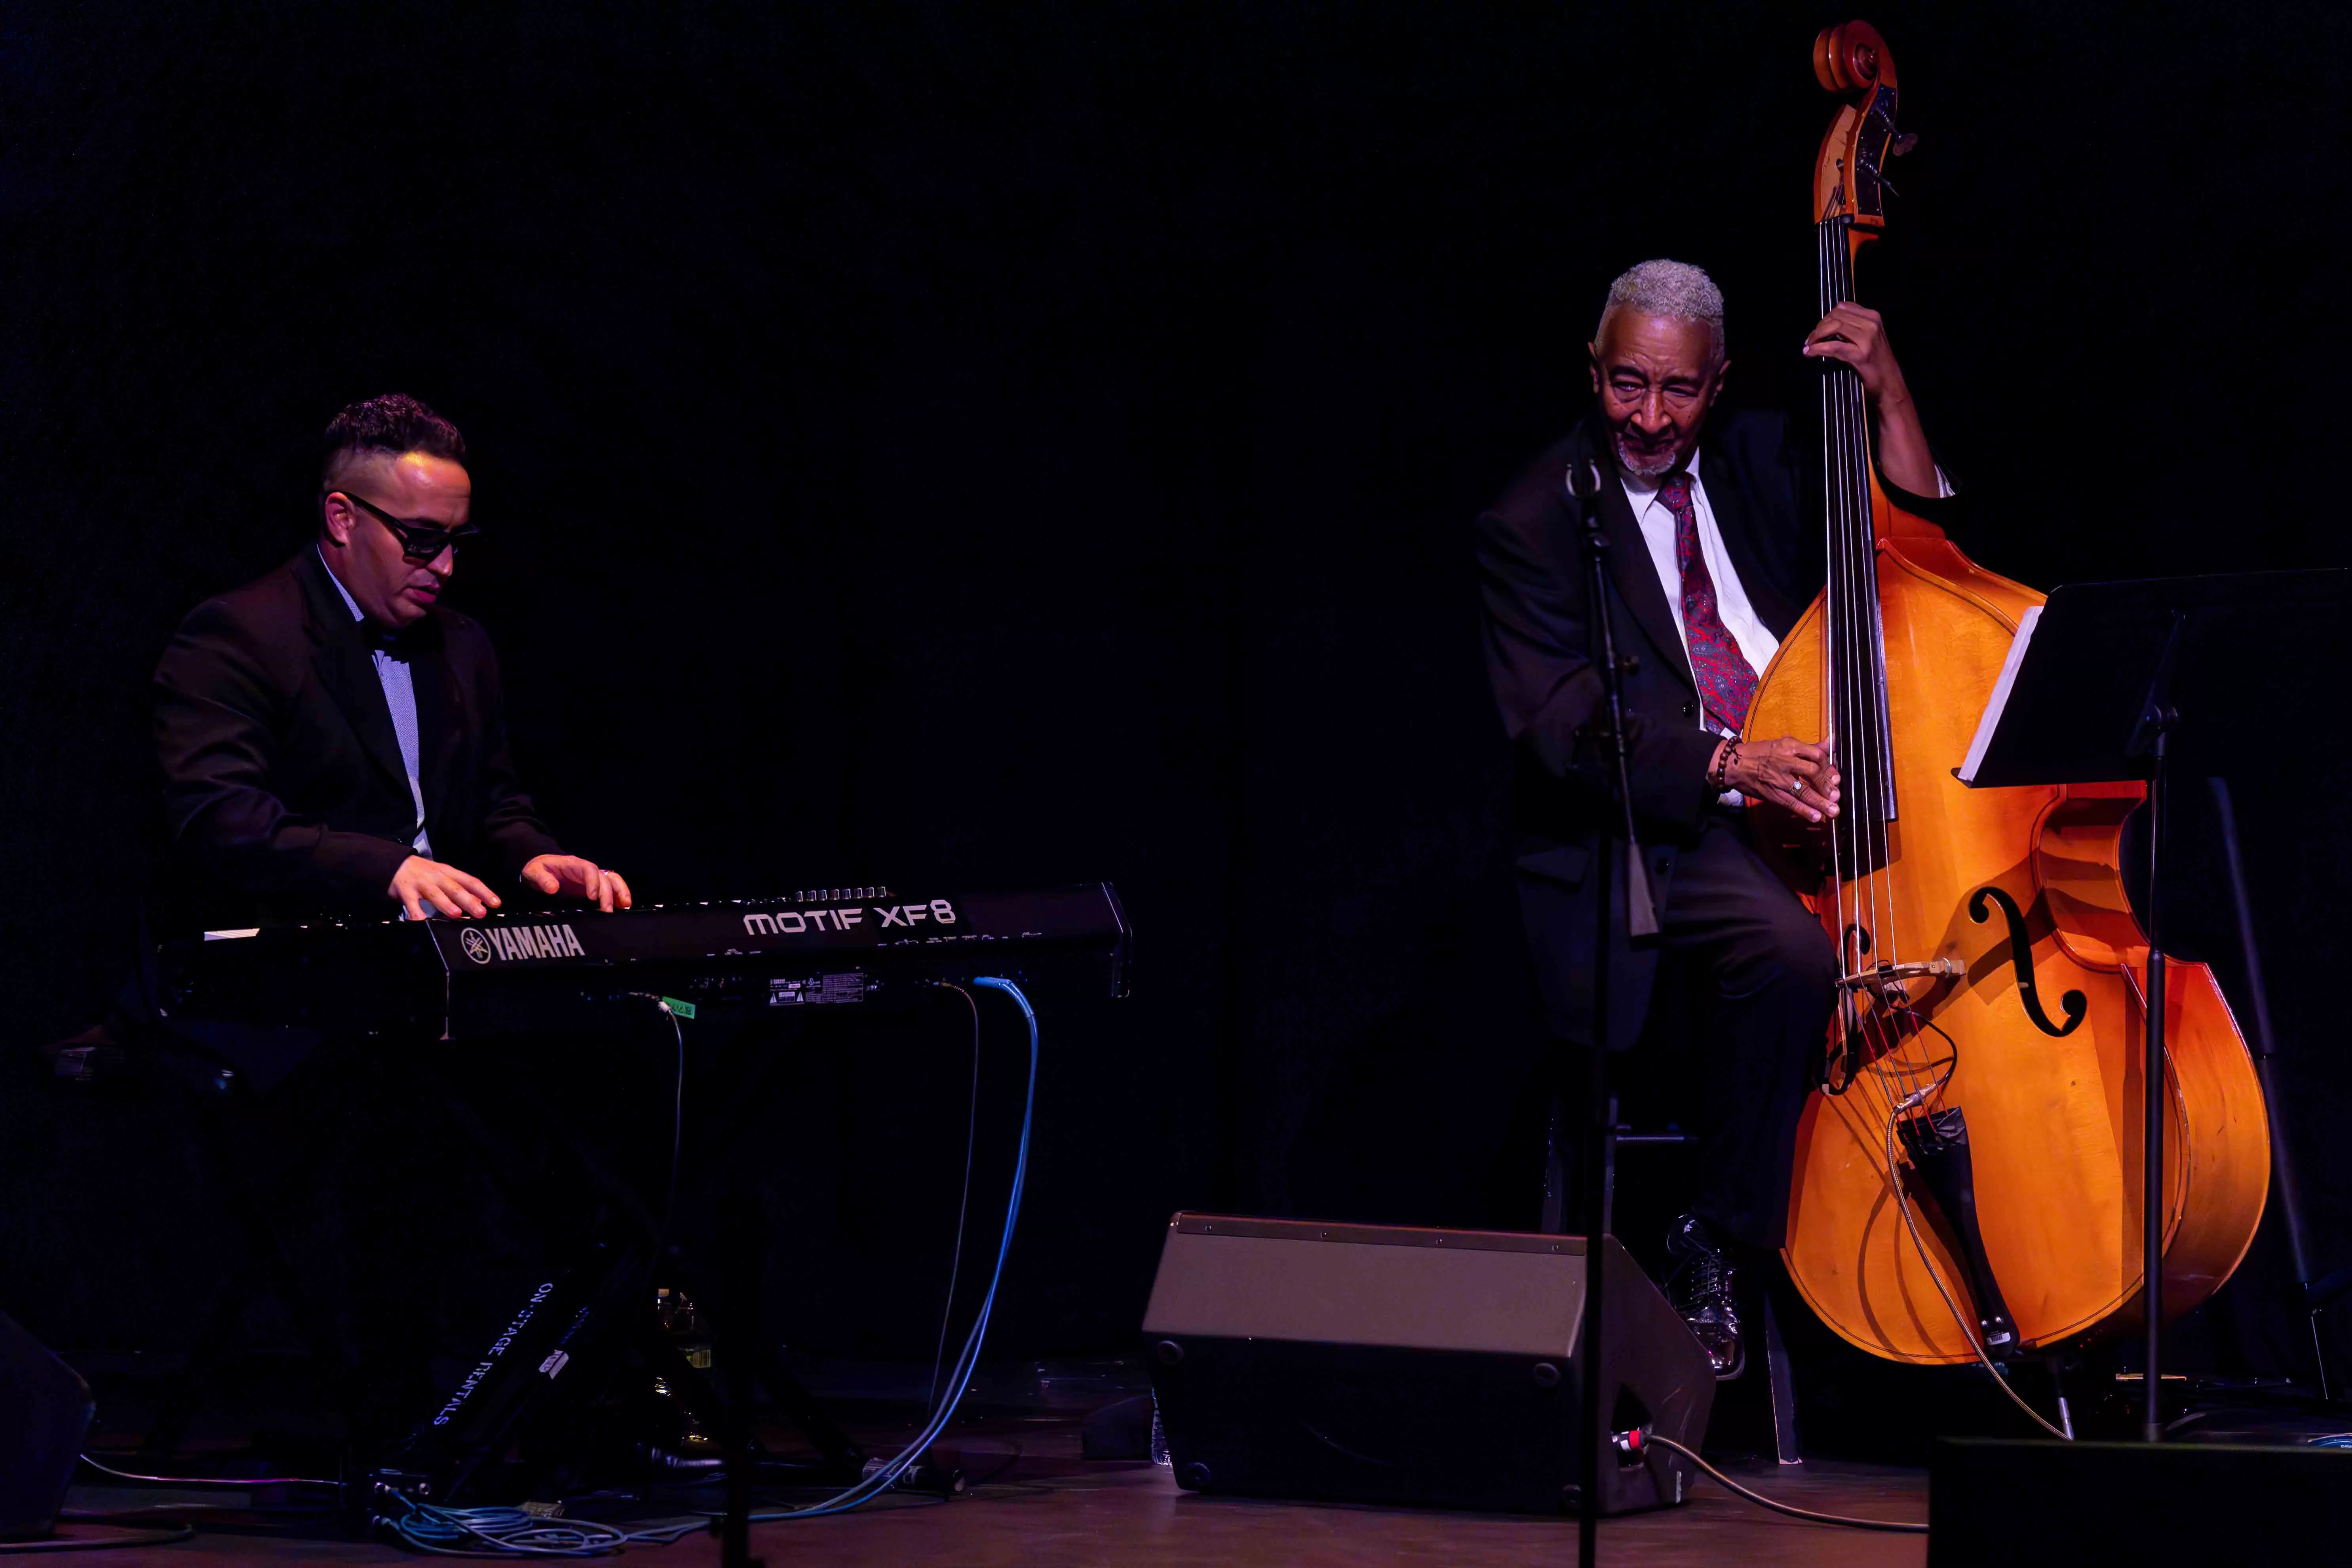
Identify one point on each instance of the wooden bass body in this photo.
(2053, 1121)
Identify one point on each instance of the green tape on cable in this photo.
(683, 1009)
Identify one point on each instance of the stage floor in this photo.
(1032, 1501)
(1052, 1508)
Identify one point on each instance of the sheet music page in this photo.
(1999, 697)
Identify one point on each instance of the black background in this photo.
(971, 446)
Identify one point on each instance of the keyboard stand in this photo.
(599, 1318)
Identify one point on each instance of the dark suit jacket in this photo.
(284, 791)
(1763, 485)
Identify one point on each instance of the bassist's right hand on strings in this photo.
(1794, 774)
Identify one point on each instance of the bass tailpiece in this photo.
(1938, 1144)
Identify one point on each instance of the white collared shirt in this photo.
(400, 696)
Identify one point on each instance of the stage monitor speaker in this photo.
(45, 1412)
(1383, 1363)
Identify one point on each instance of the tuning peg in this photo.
(1904, 142)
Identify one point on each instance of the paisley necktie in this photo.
(1726, 680)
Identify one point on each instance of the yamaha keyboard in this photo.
(577, 968)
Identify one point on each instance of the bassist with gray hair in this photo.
(1711, 521)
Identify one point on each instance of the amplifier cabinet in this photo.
(1386, 1363)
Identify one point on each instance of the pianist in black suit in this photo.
(333, 737)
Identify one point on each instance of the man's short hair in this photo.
(393, 425)
(1675, 288)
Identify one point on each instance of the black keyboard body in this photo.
(556, 969)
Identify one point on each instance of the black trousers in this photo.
(1746, 981)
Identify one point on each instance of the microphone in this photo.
(1583, 482)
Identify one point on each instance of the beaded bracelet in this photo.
(1723, 760)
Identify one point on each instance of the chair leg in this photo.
(1778, 1373)
(2057, 1364)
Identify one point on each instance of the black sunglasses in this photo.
(420, 539)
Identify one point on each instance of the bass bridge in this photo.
(1865, 1033)
(1886, 979)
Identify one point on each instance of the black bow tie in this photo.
(388, 640)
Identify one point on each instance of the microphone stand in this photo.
(1641, 919)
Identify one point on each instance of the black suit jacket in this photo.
(284, 791)
(1762, 481)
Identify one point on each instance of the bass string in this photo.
(1847, 735)
(1832, 633)
(1854, 521)
(1922, 1079)
(1873, 635)
(1832, 605)
(1846, 672)
(1854, 659)
(1861, 733)
(1861, 749)
(1868, 725)
(1881, 812)
(1841, 589)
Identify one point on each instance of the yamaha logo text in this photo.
(486, 945)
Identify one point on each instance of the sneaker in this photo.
(1700, 1286)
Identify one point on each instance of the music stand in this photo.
(2114, 681)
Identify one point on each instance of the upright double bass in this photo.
(1969, 1173)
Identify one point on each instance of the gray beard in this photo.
(1656, 468)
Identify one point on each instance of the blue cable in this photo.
(479, 1531)
(476, 1532)
(967, 1362)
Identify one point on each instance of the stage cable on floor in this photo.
(245, 1484)
(1850, 1521)
(168, 1529)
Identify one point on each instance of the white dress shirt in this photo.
(400, 696)
(1658, 528)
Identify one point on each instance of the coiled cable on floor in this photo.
(519, 1533)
